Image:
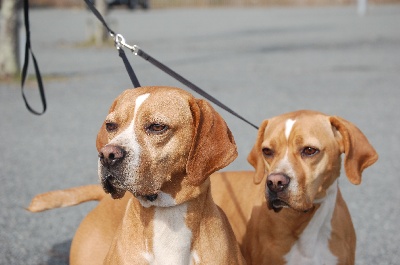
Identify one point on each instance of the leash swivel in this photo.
(120, 42)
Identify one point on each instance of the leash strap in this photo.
(186, 82)
(28, 49)
(99, 16)
(121, 52)
(129, 68)
(120, 43)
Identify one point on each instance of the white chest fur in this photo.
(172, 238)
(312, 248)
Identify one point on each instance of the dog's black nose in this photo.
(277, 182)
(110, 154)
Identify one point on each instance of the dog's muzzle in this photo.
(276, 191)
(110, 156)
(109, 187)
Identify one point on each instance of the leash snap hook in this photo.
(120, 42)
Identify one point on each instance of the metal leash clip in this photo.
(119, 41)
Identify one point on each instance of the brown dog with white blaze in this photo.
(158, 145)
(298, 216)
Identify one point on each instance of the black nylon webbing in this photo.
(186, 82)
(28, 50)
(162, 67)
(129, 68)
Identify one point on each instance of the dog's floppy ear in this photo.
(255, 158)
(213, 146)
(359, 153)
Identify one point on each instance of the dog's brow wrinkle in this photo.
(288, 127)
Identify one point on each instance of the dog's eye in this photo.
(268, 152)
(111, 126)
(309, 151)
(157, 128)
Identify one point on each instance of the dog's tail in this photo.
(64, 198)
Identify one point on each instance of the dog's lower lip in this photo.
(151, 197)
(278, 204)
(110, 188)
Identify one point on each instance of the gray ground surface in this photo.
(260, 61)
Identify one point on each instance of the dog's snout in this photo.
(277, 182)
(110, 154)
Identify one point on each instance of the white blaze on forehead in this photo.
(284, 165)
(127, 137)
(288, 127)
(139, 101)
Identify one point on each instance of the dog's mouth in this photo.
(112, 186)
(109, 186)
(277, 205)
(151, 197)
(148, 197)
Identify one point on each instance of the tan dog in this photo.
(159, 144)
(298, 216)
(305, 223)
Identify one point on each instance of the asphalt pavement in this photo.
(261, 62)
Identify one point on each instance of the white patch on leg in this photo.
(172, 238)
(195, 258)
(312, 248)
(147, 255)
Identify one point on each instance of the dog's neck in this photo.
(166, 234)
(296, 220)
(315, 246)
(299, 229)
(287, 223)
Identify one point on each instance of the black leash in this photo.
(186, 82)
(28, 49)
(121, 52)
(120, 43)
(128, 68)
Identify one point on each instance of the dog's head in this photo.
(161, 144)
(300, 153)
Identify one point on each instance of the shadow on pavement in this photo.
(59, 254)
